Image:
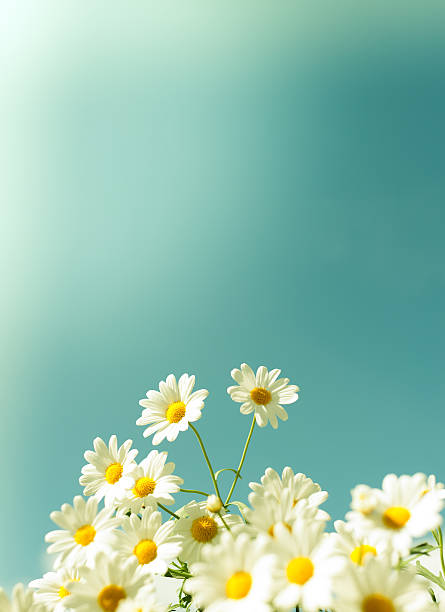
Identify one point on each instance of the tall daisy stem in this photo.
(167, 510)
(206, 457)
(194, 491)
(243, 456)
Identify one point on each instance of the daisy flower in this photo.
(22, 600)
(106, 474)
(303, 568)
(145, 603)
(347, 545)
(262, 393)
(232, 577)
(402, 512)
(364, 499)
(198, 526)
(85, 531)
(299, 484)
(150, 542)
(376, 587)
(171, 409)
(152, 481)
(52, 588)
(105, 585)
(268, 511)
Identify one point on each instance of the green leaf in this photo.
(226, 470)
(422, 571)
(422, 549)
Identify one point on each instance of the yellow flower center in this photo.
(261, 396)
(113, 473)
(271, 530)
(63, 592)
(144, 486)
(299, 570)
(238, 585)
(377, 603)
(358, 554)
(85, 535)
(396, 517)
(110, 596)
(145, 551)
(204, 529)
(175, 412)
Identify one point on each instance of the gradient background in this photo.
(189, 185)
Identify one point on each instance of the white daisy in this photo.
(198, 526)
(262, 393)
(434, 488)
(364, 499)
(172, 408)
(52, 588)
(269, 510)
(85, 531)
(402, 513)
(357, 549)
(106, 475)
(233, 576)
(377, 587)
(154, 545)
(22, 600)
(299, 484)
(152, 482)
(145, 603)
(303, 568)
(103, 586)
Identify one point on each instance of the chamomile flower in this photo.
(198, 526)
(52, 588)
(303, 567)
(152, 543)
(269, 510)
(347, 545)
(233, 576)
(299, 484)
(106, 474)
(22, 600)
(262, 393)
(171, 409)
(364, 499)
(105, 585)
(152, 482)
(377, 587)
(434, 488)
(85, 531)
(402, 512)
(145, 603)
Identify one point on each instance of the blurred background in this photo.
(187, 186)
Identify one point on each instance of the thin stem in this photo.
(206, 457)
(442, 562)
(243, 456)
(223, 521)
(194, 491)
(167, 510)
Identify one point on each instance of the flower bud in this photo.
(214, 504)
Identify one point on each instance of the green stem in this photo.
(206, 457)
(167, 510)
(442, 562)
(243, 456)
(194, 491)
(223, 521)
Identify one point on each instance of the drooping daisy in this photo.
(364, 499)
(299, 484)
(262, 393)
(198, 526)
(152, 482)
(85, 531)
(52, 588)
(106, 474)
(402, 512)
(357, 549)
(377, 587)
(233, 576)
(22, 600)
(303, 568)
(171, 409)
(152, 543)
(269, 510)
(107, 583)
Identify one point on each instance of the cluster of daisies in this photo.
(269, 555)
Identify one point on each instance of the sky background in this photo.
(188, 186)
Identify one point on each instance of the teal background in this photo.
(188, 186)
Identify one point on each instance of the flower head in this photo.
(52, 589)
(22, 600)
(262, 393)
(299, 484)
